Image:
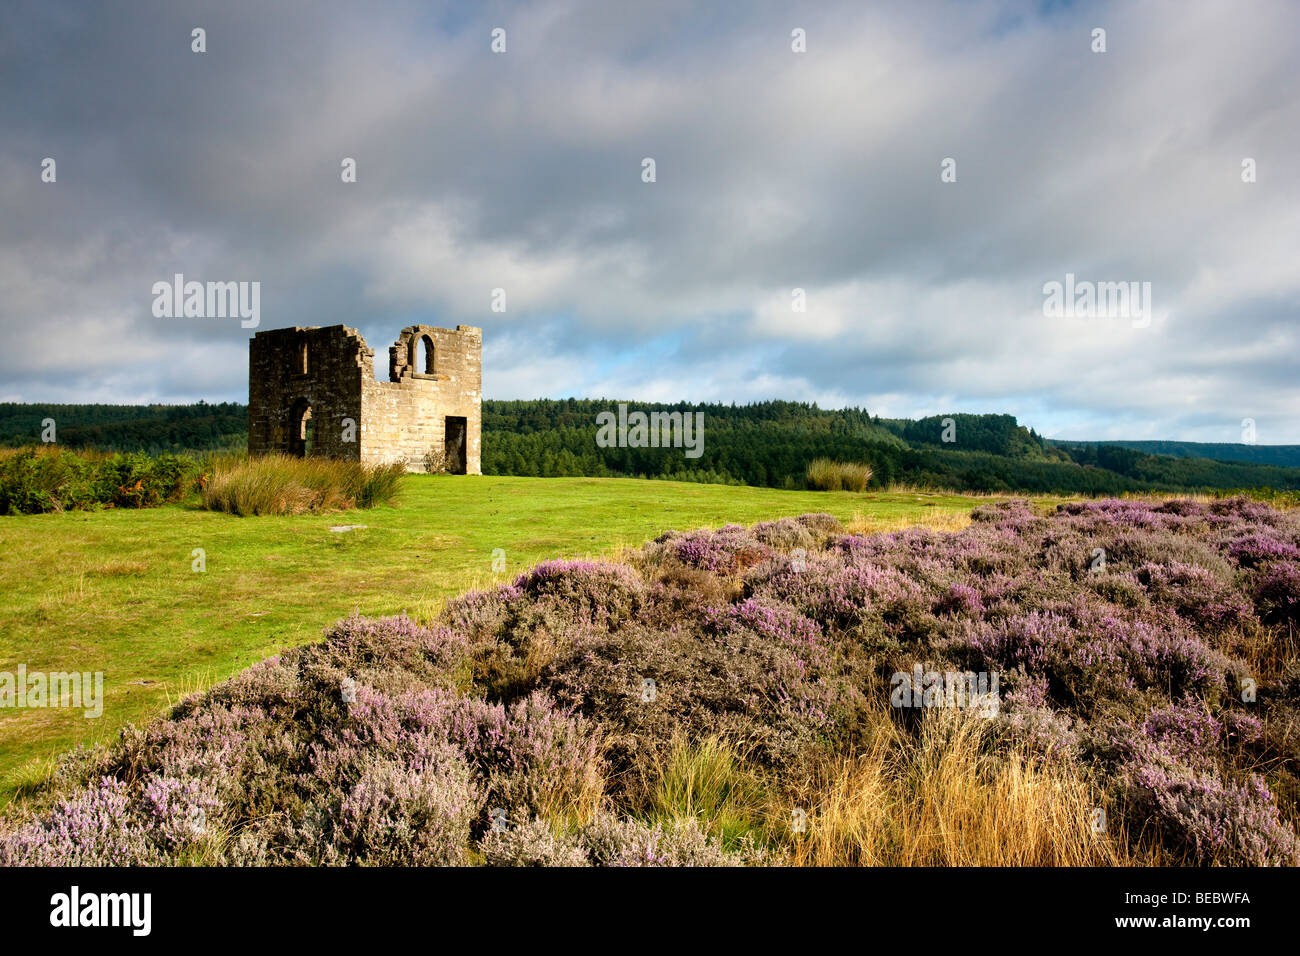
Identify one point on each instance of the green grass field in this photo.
(114, 591)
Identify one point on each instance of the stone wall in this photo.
(403, 419)
(337, 359)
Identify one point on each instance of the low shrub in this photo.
(826, 475)
(34, 481)
(282, 485)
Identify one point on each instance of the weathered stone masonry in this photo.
(306, 384)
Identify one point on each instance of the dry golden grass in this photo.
(946, 797)
(936, 520)
(284, 485)
(1271, 654)
(823, 474)
(943, 800)
(197, 682)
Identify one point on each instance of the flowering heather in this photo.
(961, 599)
(1197, 595)
(402, 813)
(481, 615)
(1213, 819)
(609, 841)
(838, 594)
(559, 699)
(1254, 549)
(784, 534)
(92, 828)
(1185, 730)
(806, 531)
(775, 622)
(1277, 594)
(1092, 653)
(728, 549)
(1015, 515)
(602, 592)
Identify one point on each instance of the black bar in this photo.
(304, 906)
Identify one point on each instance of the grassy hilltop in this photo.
(113, 590)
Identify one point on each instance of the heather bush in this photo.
(481, 615)
(1252, 550)
(517, 630)
(820, 523)
(727, 550)
(1015, 515)
(610, 841)
(841, 595)
(358, 749)
(1197, 595)
(727, 680)
(1132, 550)
(1089, 653)
(961, 599)
(785, 534)
(600, 592)
(1121, 588)
(813, 530)
(1168, 774)
(92, 828)
(1276, 592)
(404, 813)
(532, 843)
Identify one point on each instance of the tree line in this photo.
(767, 444)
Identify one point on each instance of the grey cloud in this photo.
(775, 170)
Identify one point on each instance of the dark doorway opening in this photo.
(301, 433)
(453, 444)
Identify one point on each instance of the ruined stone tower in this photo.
(312, 391)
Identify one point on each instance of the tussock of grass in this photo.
(280, 485)
(709, 783)
(826, 475)
(945, 800)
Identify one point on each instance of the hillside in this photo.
(1287, 456)
(151, 428)
(794, 692)
(117, 587)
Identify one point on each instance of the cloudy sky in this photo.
(775, 170)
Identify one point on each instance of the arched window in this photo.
(425, 363)
(302, 359)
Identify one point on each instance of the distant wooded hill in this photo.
(1286, 455)
(766, 444)
(151, 428)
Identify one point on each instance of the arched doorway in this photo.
(302, 433)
